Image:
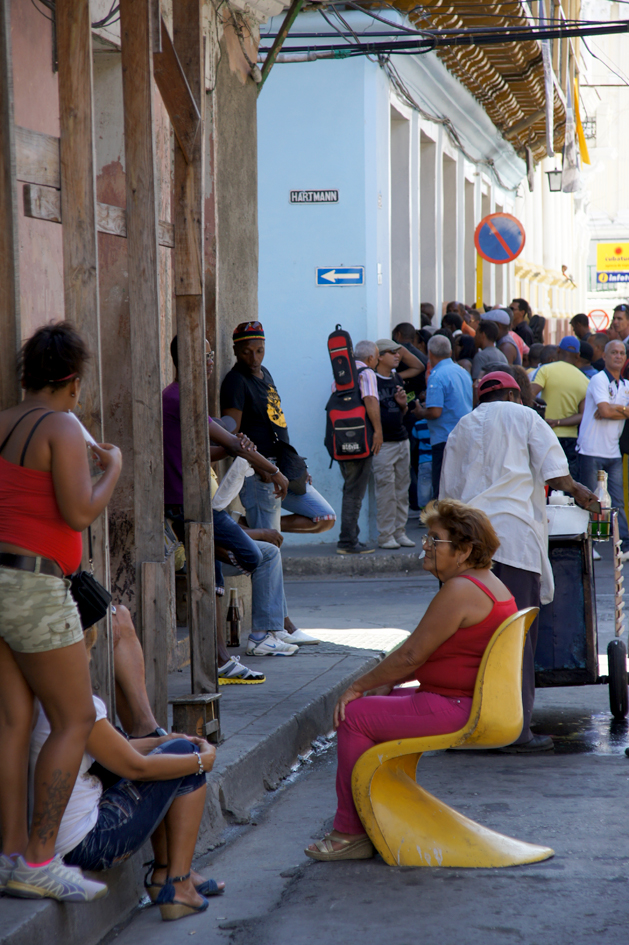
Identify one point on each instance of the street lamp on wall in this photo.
(554, 181)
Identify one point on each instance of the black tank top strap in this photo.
(17, 423)
(30, 435)
(482, 586)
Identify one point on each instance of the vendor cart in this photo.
(567, 644)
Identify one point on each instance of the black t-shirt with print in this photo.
(263, 419)
(391, 415)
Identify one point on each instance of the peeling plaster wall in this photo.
(36, 101)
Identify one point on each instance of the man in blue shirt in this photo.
(448, 398)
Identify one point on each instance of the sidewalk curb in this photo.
(350, 564)
(240, 781)
(249, 767)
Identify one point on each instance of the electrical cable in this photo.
(623, 78)
(41, 12)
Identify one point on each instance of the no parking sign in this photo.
(499, 238)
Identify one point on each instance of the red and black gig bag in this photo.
(348, 433)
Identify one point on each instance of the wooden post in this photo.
(154, 577)
(80, 260)
(9, 263)
(189, 293)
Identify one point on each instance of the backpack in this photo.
(348, 432)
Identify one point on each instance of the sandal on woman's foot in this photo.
(209, 887)
(171, 908)
(361, 849)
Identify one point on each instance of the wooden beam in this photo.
(44, 203)
(155, 619)
(191, 334)
(37, 157)
(180, 103)
(80, 259)
(9, 242)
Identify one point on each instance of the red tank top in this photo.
(30, 516)
(452, 669)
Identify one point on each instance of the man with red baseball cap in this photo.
(498, 459)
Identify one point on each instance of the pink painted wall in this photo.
(36, 101)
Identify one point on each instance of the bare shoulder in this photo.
(62, 424)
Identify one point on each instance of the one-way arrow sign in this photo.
(354, 275)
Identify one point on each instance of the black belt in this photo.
(27, 563)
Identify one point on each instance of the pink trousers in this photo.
(405, 713)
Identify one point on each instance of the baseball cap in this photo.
(497, 380)
(570, 344)
(385, 344)
(497, 315)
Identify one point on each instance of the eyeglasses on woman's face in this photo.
(428, 542)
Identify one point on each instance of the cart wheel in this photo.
(617, 659)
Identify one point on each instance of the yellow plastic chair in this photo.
(410, 827)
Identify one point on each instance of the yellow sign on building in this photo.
(612, 257)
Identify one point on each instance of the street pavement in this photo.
(573, 799)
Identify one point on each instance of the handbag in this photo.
(90, 597)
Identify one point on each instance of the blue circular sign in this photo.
(499, 238)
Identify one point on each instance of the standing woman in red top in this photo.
(443, 654)
(46, 500)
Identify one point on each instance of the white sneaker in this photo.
(298, 637)
(53, 881)
(270, 645)
(405, 541)
(234, 673)
(389, 545)
(7, 865)
(624, 556)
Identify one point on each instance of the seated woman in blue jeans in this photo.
(160, 795)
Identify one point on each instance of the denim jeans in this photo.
(268, 604)
(589, 466)
(355, 474)
(264, 509)
(569, 446)
(424, 484)
(437, 462)
(129, 812)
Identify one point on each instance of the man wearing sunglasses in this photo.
(498, 459)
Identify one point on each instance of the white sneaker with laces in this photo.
(53, 881)
(389, 545)
(405, 541)
(234, 673)
(298, 637)
(270, 645)
(7, 864)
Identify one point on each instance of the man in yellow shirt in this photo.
(563, 388)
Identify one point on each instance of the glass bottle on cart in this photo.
(601, 523)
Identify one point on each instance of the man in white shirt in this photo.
(498, 459)
(604, 415)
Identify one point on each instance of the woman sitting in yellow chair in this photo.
(443, 654)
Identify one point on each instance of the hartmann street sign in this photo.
(314, 196)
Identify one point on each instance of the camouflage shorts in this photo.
(37, 612)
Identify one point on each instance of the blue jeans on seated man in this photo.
(588, 468)
(264, 508)
(129, 813)
(268, 607)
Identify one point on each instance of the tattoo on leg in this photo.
(46, 820)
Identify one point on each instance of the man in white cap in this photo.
(506, 343)
(498, 459)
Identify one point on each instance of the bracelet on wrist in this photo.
(200, 763)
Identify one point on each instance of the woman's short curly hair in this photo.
(465, 526)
